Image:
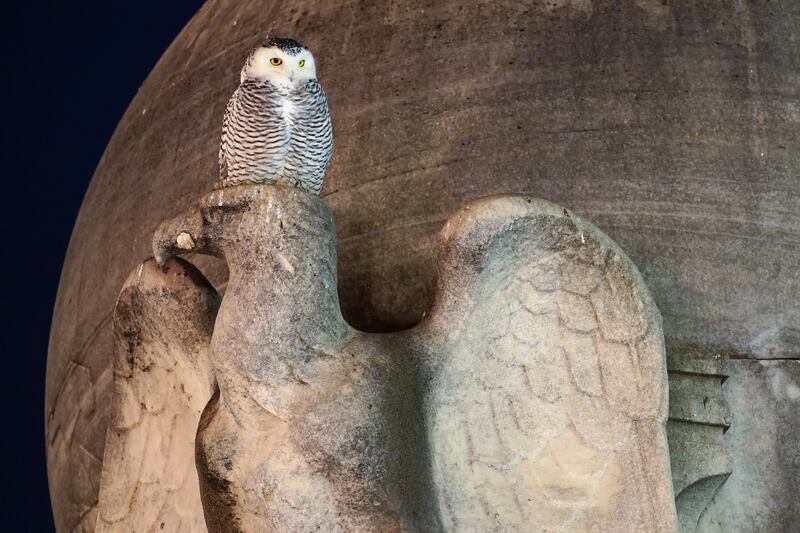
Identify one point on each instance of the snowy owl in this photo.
(277, 128)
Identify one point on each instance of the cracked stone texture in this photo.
(669, 125)
(533, 397)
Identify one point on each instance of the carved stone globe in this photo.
(673, 128)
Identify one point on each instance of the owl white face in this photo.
(280, 67)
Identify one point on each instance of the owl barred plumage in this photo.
(277, 128)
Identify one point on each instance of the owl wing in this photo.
(223, 145)
(319, 122)
(312, 137)
(255, 135)
(547, 400)
(162, 381)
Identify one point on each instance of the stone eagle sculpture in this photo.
(532, 396)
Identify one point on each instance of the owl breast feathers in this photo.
(277, 128)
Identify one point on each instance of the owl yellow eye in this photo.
(276, 61)
(302, 62)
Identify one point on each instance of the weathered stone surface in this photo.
(162, 381)
(699, 415)
(530, 427)
(762, 492)
(485, 417)
(669, 125)
(315, 427)
(690, 359)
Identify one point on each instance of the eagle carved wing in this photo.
(547, 398)
(162, 381)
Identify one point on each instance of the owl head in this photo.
(282, 61)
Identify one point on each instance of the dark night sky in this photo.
(69, 71)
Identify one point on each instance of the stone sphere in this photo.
(674, 128)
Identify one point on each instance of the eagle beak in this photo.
(182, 234)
